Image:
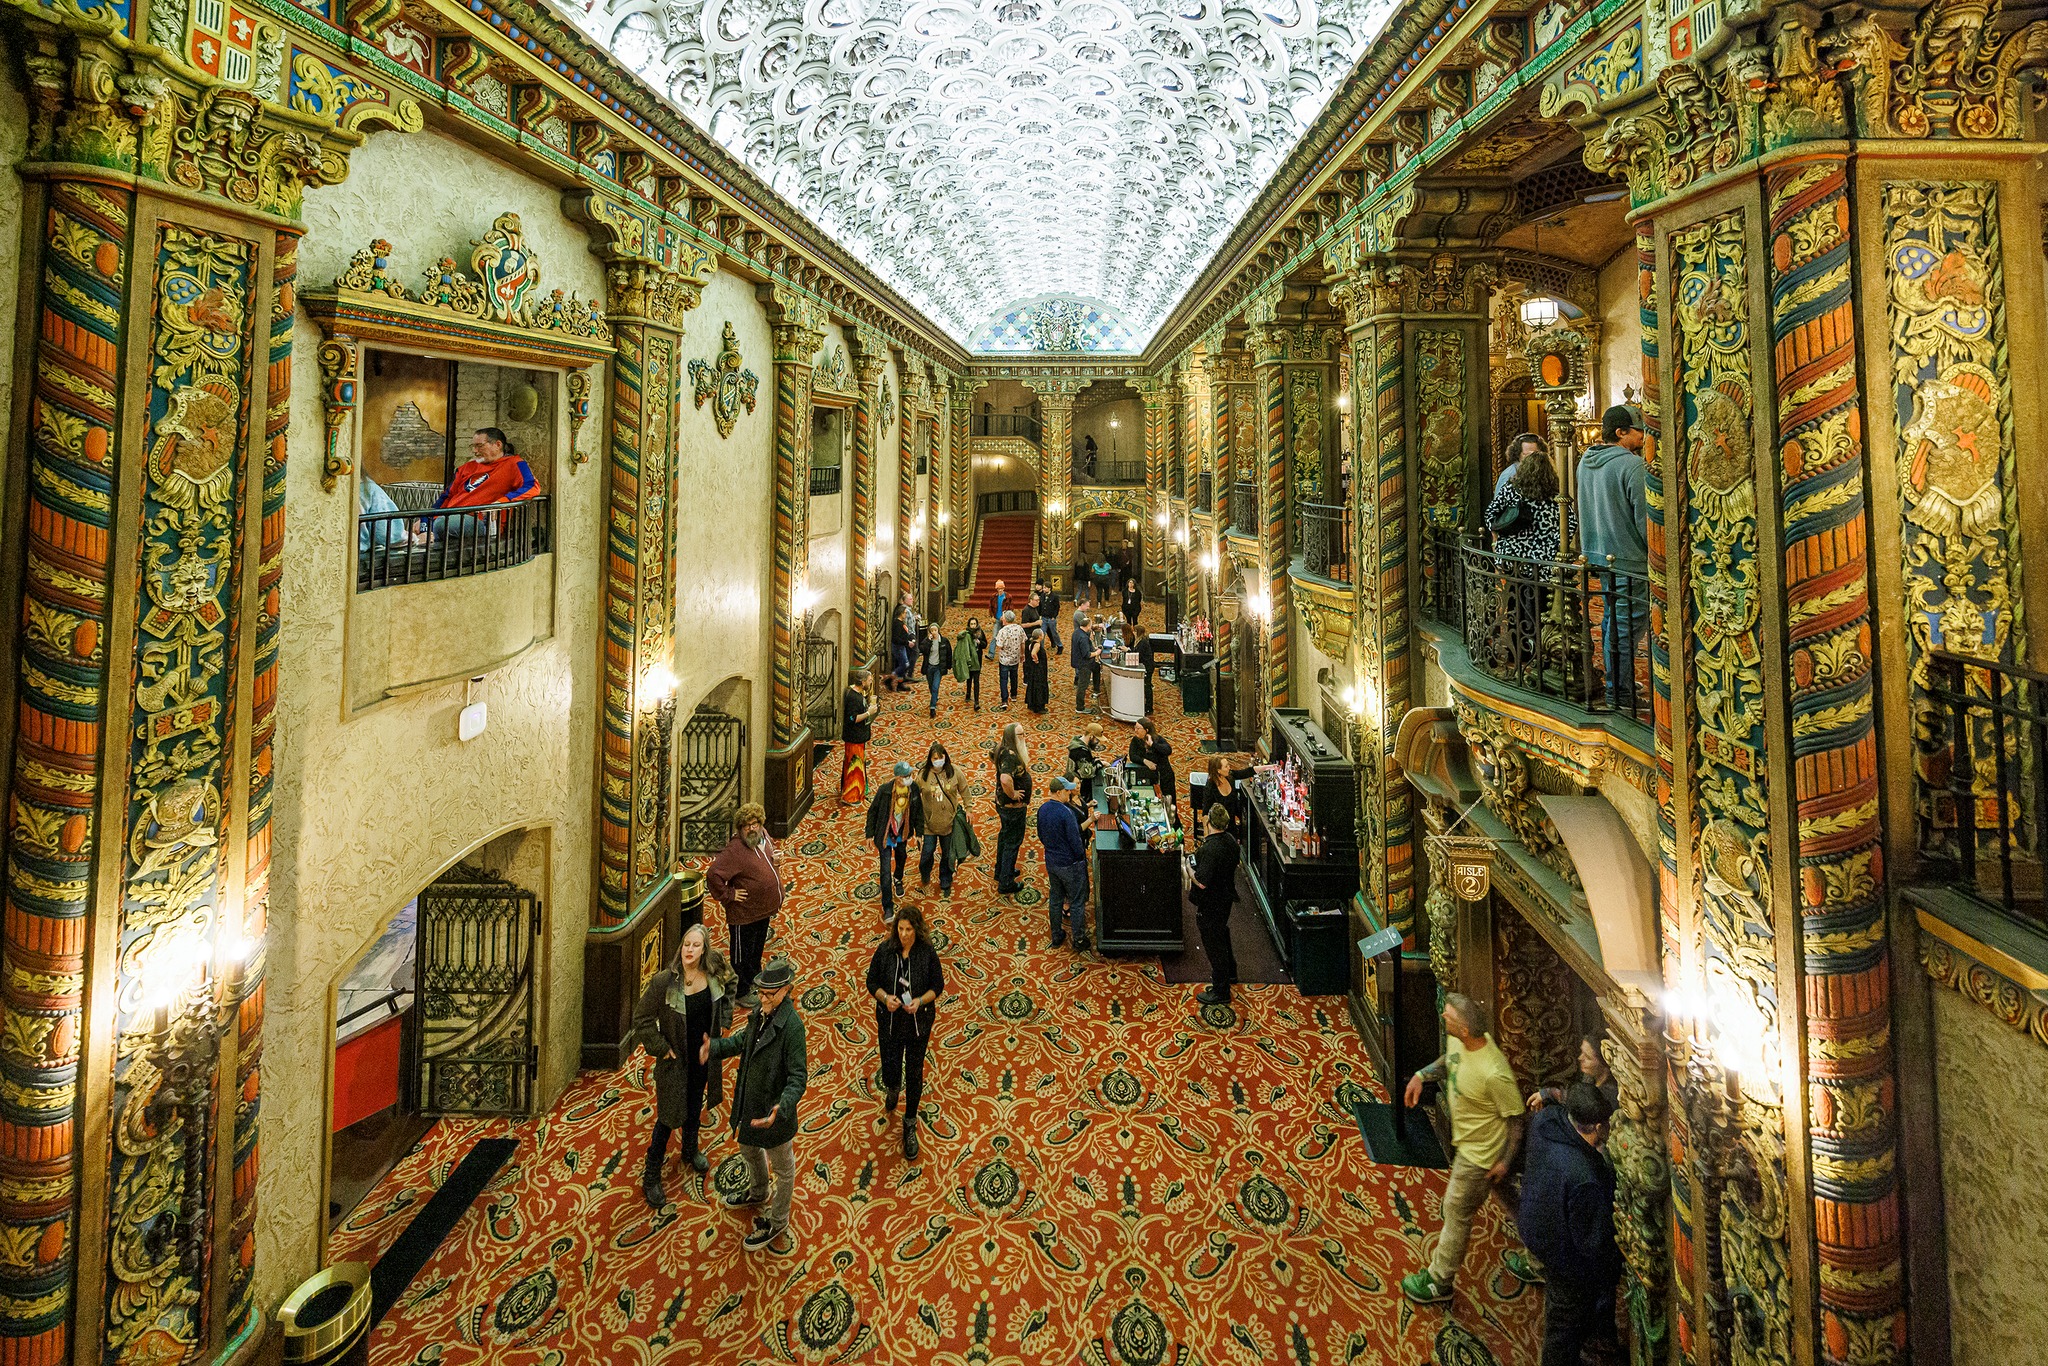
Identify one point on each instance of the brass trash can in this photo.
(328, 1316)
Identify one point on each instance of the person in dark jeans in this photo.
(685, 1003)
(1215, 896)
(1066, 864)
(1567, 1218)
(1013, 800)
(745, 879)
(895, 820)
(906, 981)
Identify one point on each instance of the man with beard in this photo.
(744, 879)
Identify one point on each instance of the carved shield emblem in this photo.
(221, 41)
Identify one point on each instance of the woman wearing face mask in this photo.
(685, 1003)
(968, 652)
(906, 981)
(941, 789)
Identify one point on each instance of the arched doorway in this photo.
(711, 767)
(439, 1014)
(1110, 538)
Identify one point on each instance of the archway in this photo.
(712, 766)
(1112, 539)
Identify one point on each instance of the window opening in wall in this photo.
(457, 468)
(828, 450)
(375, 1025)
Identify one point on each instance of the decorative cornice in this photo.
(1953, 960)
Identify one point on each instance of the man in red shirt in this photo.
(493, 474)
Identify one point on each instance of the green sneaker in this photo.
(1424, 1288)
(1523, 1267)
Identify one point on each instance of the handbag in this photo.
(1511, 519)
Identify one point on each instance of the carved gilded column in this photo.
(797, 322)
(871, 362)
(157, 349)
(912, 371)
(1157, 435)
(960, 486)
(1055, 475)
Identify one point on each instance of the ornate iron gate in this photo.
(473, 975)
(821, 688)
(713, 748)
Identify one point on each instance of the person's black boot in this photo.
(1212, 997)
(698, 1162)
(650, 1184)
(910, 1137)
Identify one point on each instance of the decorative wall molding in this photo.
(725, 382)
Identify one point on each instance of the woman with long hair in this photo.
(934, 659)
(1523, 513)
(685, 1003)
(1223, 791)
(942, 790)
(1037, 671)
(906, 981)
(857, 718)
(1013, 799)
(968, 652)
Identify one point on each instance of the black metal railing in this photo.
(824, 480)
(1009, 500)
(1007, 424)
(1322, 537)
(1205, 492)
(1244, 508)
(412, 547)
(1557, 628)
(1109, 471)
(1992, 728)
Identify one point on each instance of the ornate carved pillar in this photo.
(1055, 475)
(960, 484)
(1158, 434)
(131, 955)
(871, 361)
(797, 322)
(912, 371)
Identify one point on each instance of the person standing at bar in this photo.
(1066, 864)
(1214, 893)
(745, 880)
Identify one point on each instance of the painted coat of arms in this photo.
(724, 382)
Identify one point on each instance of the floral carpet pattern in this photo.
(1107, 1175)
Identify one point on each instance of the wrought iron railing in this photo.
(1111, 471)
(1006, 424)
(1244, 508)
(1009, 500)
(1558, 628)
(395, 548)
(824, 480)
(1991, 734)
(1205, 492)
(1322, 537)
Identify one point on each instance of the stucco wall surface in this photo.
(1991, 1091)
(725, 511)
(371, 808)
(1621, 332)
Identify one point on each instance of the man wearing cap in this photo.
(1066, 863)
(895, 820)
(1614, 521)
(774, 1066)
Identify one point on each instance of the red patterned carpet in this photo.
(1106, 1177)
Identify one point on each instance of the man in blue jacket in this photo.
(1567, 1219)
(1066, 863)
(1614, 522)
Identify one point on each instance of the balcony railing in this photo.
(1557, 628)
(1244, 508)
(1009, 500)
(411, 547)
(824, 480)
(1992, 734)
(1205, 492)
(1322, 537)
(1006, 424)
(1109, 471)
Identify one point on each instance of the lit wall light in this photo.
(1539, 312)
(657, 684)
(805, 599)
(1209, 562)
(1343, 403)
(1162, 519)
(1132, 524)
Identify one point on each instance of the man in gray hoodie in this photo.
(1614, 517)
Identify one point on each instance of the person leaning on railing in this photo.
(494, 473)
(1523, 519)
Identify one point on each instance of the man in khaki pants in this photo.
(1486, 1130)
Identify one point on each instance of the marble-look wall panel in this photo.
(370, 808)
(1621, 331)
(725, 521)
(1991, 1085)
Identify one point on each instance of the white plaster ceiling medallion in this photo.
(974, 153)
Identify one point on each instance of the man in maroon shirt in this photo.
(747, 883)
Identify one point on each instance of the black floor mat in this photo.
(415, 1247)
(1257, 962)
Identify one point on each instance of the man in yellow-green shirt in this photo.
(1486, 1130)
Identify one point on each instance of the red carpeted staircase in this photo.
(1006, 543)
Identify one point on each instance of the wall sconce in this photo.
(1162, 519)
(1343, 403)
(657, 685)
(1539, 312)
(1260, 604)
(1208, 562)
(1132, 524)
(874, 558)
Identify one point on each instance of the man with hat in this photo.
(895, 820)
(774, 1065)
(1066, 863)
(1614, 522)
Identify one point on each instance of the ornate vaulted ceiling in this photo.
(980, 152)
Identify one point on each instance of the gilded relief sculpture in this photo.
(723, 381)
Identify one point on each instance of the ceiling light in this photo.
(1539, 312)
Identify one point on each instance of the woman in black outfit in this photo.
(685, 1002)
(906, 981)
(1151, 759)
(1222, 790)
(1037, 678)
(1133, 602)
